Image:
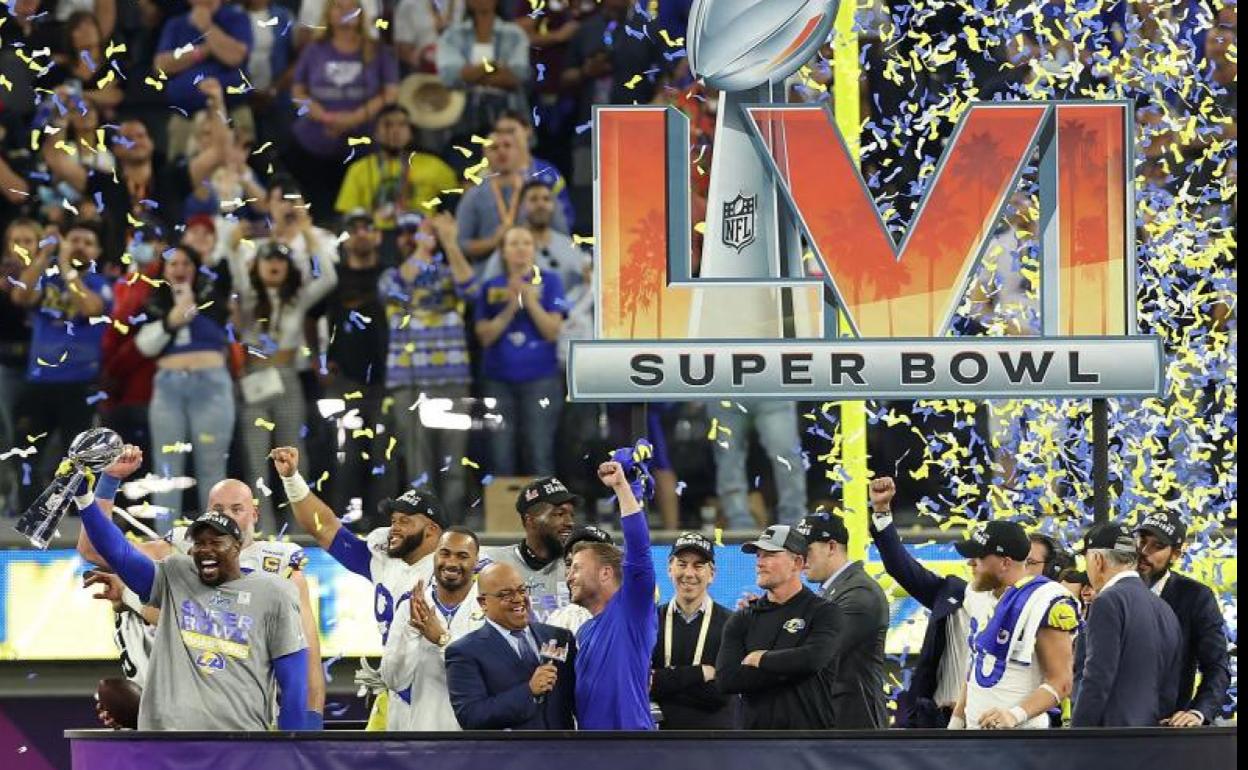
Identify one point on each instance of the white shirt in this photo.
(414, 668)
(1160, 585)
(259, 59)
(1121, 576)
(414, 20)
(1021, 675)
(312, 14)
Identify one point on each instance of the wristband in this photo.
(296, 488)
(84, 500)
(881, 519)
(957, 723)
(106, 488)
(1051, 690)
(132, 602)
(1020, 714)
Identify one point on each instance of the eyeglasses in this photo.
(510, 594)
(1034, 562)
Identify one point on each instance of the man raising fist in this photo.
(614, 647)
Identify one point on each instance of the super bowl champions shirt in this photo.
(211, 660)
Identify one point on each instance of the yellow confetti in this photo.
(263, 423)
(468, 463)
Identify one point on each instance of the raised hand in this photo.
(611, 474)
(882, 490)
(286, 460)
(127, 462)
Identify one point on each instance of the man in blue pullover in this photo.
(224, 638)
(614, 647)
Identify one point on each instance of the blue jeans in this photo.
(776, 423)
(520, 405)
(195, 407)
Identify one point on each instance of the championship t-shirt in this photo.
(211, 661)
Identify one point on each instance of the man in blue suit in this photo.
(510, 673)
(1131, 674)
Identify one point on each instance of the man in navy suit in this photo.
(510, 673)
(1160, 540)
(1131, 674)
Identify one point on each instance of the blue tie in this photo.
(526, 652)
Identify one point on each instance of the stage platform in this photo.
(1140, 749)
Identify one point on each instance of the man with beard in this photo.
(548, 513)
(573, 616)
(614, 646)
(556, 251)
(1021, 657)
(690, 628)
(413, 664)
(225, 638)
(1159, 539)
(233, 499)
(394, 558)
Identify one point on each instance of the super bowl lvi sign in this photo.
(760, 321)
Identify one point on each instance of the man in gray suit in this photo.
(858, 690)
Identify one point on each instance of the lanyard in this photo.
(506, 211)
(702, 633)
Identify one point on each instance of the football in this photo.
(120, 698)
(739, 44)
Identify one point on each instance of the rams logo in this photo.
(794, 625)
(210, 662)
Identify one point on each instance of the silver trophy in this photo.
(93, 450)
(746, 49)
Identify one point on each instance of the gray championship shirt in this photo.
(548, 586)
(211, 660)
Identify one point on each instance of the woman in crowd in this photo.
(489, 58)
(192, 409)
(520, 315)
(275, 296)
(342, 80)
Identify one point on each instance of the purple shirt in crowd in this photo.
(339, 82)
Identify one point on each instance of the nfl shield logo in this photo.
(739, 221)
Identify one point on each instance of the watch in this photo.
(444, 639)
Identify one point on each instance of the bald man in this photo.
(234, 499)
(510, 673)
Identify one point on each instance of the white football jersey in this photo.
(393, 579)
(995, 683)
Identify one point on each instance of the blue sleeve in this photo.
(913, 577)
(638, 568)
(167, 40)
(237, 25)
(553, 300)
(352, 553)
(292, 690)
(137, 571)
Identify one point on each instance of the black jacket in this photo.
(943, 596)
(1204, 645)
(1130, 675)
(858, 690)
(687, 700)
(791, 689)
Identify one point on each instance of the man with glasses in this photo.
(510, 673)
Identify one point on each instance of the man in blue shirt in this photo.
(614, 647)
(212, 41)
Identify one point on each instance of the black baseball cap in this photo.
(1109, 536)
(694, 541)
(778, 537)
(997, 538)
(824, 528)
(416, 502)
(587, 534)
(547, 489)
(357, 215)
(1166, 526)
(217, 521)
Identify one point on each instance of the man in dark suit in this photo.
(1159, 540)
(858, 689)
(496, 675)
(1131, 673)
